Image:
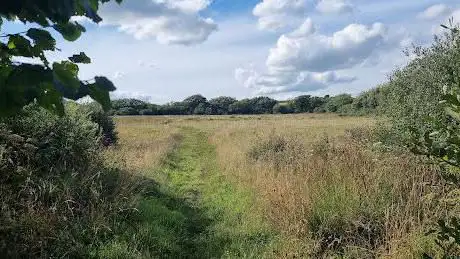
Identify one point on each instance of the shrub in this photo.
(106, 124)
(412, 100)
(57, 198)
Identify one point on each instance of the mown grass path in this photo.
(194, 212)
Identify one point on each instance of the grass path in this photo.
(193, 212)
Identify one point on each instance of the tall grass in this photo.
(338, 194)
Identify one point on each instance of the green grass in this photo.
(191, 211)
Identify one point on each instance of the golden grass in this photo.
(144, 142)
(325, 191)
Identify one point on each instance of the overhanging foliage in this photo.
(39, 81)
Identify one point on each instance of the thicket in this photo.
(57, 196)
(422, 103)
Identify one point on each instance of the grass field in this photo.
(287, 186)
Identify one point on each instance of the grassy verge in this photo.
(190, 211)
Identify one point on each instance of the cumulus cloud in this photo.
(306, 60)
(276, 14)
(334, 6)
(282, 81)
(319, 53)
(434, 12)
(167, 21)
(192, 6)
(305, 29)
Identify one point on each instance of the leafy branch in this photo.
(46, 84)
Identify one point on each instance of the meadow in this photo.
(274, 186)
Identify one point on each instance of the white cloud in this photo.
(305, 60)
(192, 6)
(276, 14)
(319, 53)
(434, 12)
(168, 21)
(275, 82)
(305, 29)
(334, 6)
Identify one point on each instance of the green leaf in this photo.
(70, 31)
(20, 45)
(66, 73)
(20, 86)
(105, 83)
(11, 45)
(50, 99)
(42, 39)
(80, 58)
(91, 8)
(28, 75)
(100, 95)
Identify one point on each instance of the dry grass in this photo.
(144, 143)
(317, 183)
(327, 191)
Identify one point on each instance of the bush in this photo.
(57, 198)
(105, 123)
(412, 101)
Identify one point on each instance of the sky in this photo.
(165, 50)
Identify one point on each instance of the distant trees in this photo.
(223, 105)
(193, 102)
(307, 103)
(283, 108)
(339, 103)
(371, 100)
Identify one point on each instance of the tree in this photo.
(283, 108)
(174, 108)
(241, 107)
(46, 84)
(125, 111)
(302, 103)
(261, 105)
(193, 101)
(222, 104)
(338, 102)
(133, 103)
(444, 143)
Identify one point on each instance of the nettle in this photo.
(40, 81)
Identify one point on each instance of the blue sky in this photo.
(166, 50)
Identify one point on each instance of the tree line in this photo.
(366, 103)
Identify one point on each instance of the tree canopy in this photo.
(40, 81)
